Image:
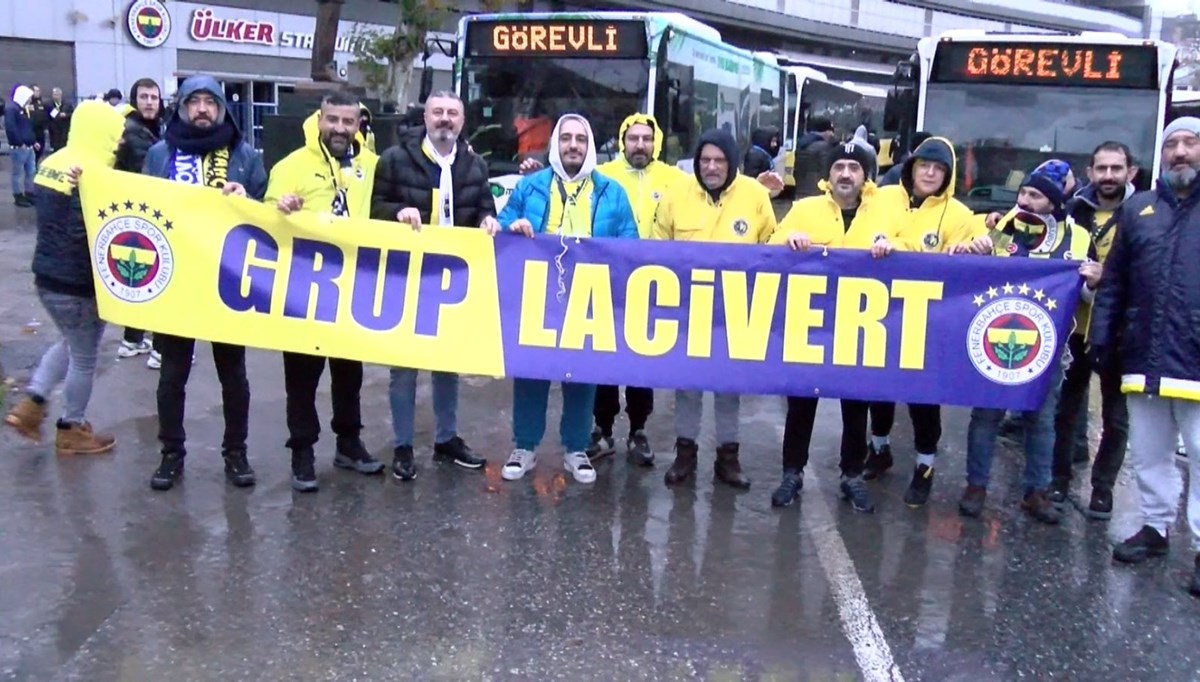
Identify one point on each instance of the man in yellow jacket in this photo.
(929, 220)
(332, 173)
(719, 206)
(845, 215)
(645, 180)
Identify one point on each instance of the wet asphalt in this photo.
(463, 576)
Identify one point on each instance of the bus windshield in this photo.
(513, 103)
(1002, 131)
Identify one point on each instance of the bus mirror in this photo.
(891, 116)
(426, 84)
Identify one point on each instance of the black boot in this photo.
(352, 454)
(727, 469)
(168, 472)
(878, 461)
(686, 453)
(237, 468)
(304, 472)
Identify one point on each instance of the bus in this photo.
(517, 73)
(1010, 101)
(1184, 103)
(810, 94)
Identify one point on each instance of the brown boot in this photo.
(27, 417)
(79, 439)
(727, 469)
(686, 452)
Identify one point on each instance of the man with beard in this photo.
(143, 128)
(1145, 326)
(1037, 227)
(1095, 208)
(60, 120)
(571, 199)
(847, 216)
(432, 178)
(332, 174)
(39, 118)
(720, 206)
(202, 146)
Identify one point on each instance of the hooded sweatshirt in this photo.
(17, 126)
(325, 183)
(760, 158)
(937, 222)
(739, 211)
(570, 196)
(645, 186)
(61, 258)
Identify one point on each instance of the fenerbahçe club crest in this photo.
(132, 255)
(1012, 339)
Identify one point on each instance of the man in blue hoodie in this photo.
(203, 146)
(19, 130)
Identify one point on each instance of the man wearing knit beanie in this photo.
(1144, 325)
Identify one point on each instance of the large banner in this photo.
(949, 330)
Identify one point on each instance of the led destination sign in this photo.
(557, 38)
(1119, 66)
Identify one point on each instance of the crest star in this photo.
(168, 226)
(992, 293)
(1008, 288)
(978, 301)
(1050, 304)
(128, 205)
(1023, 289)
(1039, 294)
(157, 214)
(143, 208)
(103, 214)
(113, 207)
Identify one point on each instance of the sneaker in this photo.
(1180, 449)
(1038, 505)
(79, 439)
(972, 501)
(1059, 493)
(1100, 507)
(601, 446)
(237, 468)
(132, 349)
(352, 454)
(455, 450)
(304, 473)
(519, 462)
(22, 200)
(878, 461)
(1144, 544)
(404, 466)
(1194, 586)
(27, 417)
(580, 466)
(920, 487)
(637, 450)
(789, 488)
(854, 491)
(154, 361)
(168, 472)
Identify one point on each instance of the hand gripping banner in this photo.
(919, 328)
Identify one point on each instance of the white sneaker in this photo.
(519, 462)
(580, 466)
(129, 349)
(154, 361)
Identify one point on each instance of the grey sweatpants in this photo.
(689, 408)
(1153, 423)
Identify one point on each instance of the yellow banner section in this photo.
(187, 261)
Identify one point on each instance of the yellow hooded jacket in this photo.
(941, 221)
(95, 133)
(820, 218)
(645, 187)
(313, 175)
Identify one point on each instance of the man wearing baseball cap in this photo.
(1145, 324)
(847, 215)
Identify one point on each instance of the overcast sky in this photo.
(1173, 7)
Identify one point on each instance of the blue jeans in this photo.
(1039, 439)
(402, 394)
(530, 399)
(74, 357)
(23, 166)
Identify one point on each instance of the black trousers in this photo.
(926, 421)
(639, 405)
(1113, 412)
(798, 429)
(301, 375)
(138, 335)
(172, 392)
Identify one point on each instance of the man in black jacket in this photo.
(1145, 325)
(59, 113)
(432, 178)
(143, 127)
(40, 119)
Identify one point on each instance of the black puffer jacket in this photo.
(61, 257)
(406, 178)
(139, 136)
(1146, 316)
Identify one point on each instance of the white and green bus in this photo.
(518, 72)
